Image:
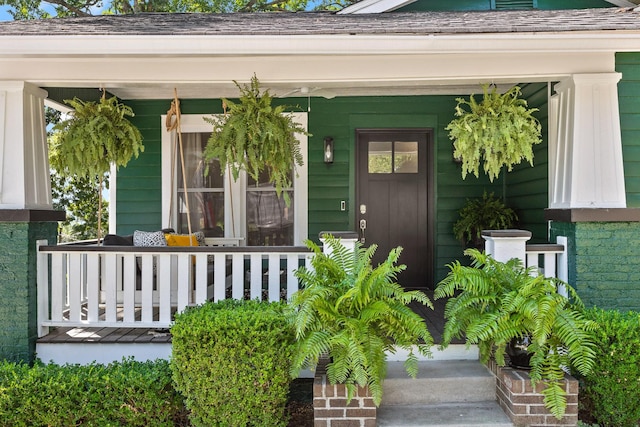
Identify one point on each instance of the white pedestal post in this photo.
(504, 245)
(348, 239)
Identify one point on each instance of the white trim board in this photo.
(84, 354)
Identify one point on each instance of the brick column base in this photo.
(19, 231)
(524, 405)
(330, 408)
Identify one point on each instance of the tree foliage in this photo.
(491, 302)
(80, 199)
(77, 196)
(38, 9)
(355, 313)
(500, 131)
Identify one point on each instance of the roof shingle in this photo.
(325, 23)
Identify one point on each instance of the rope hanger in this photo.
(171, 125)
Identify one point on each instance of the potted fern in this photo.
(499, 131)
(255, 136)
(491, 303)
(95, 136)
(485, 213)
(355, 313)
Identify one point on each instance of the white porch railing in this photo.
(549, 259)
(118, 286)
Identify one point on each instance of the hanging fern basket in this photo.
(255, 136)
(499, 131)
(97, 135)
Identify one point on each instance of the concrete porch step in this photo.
(438, 382)
(443, 415)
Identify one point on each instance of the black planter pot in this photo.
(519, 357)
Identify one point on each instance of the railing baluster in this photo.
(163, 279)
(185, 283)
(129, 269)
(274, 277)
(202, 273)
(93, 287)
(292, 281)
(75, 286)
(58, 285)
(109, 288)
(147, 288)
(237, 276)
(256, 276)
(219, 277)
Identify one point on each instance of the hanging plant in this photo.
(499, 131)
(254, 136)
(96, 135)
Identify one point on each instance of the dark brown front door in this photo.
(394, 198)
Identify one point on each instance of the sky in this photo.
(4, 15)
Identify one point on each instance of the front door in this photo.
(394, 198)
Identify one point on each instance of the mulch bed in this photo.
(300, 405)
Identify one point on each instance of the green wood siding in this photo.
(527, 187)
(462, 5)
(629, 99)
(138, 185)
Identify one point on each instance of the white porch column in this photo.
(24, 163)
(585, 145)
(503, 245)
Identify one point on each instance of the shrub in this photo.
(613, 387)
(231, 361)
(120, 394)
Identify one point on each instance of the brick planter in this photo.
(330, 408)
(524, 405)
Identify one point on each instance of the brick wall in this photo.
(524, 405)
(330, 407)
(18, 306)
(604, 262)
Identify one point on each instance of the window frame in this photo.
(235, 191)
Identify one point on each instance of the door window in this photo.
(393, 157)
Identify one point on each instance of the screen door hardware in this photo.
(363, 209)
(343, 205)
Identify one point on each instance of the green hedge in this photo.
(120, 394)
(231, 362)
(613, 388)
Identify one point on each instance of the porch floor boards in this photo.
(81, 334)
(433, 318)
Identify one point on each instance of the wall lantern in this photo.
(328, 149)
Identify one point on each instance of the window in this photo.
(203, 195)
(393, 157)
(222, 207)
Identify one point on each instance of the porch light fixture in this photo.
(328, 149)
